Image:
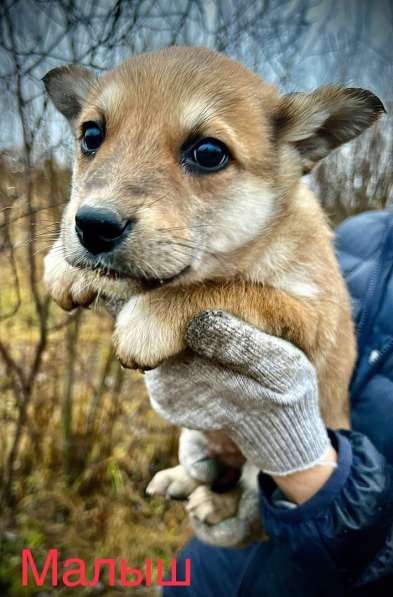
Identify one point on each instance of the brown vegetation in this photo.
(79, 442)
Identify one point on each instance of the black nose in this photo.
(100, 230)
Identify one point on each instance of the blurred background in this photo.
(78, 441)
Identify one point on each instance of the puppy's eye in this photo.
(92, 137)
(207, 155)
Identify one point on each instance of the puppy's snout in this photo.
(100, 230)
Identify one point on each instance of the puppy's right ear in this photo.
(68, 87)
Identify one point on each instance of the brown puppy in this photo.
(187, 196)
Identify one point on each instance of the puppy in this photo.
(187, 195)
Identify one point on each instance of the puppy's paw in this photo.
(69, 287)
(174, 483)
(209, 507)
(144, 336)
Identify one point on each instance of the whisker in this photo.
(176, 228)
(192, 247)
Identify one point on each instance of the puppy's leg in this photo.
(208, 506)
(151, 327)
(174, 483)
(68, 286)
(239, 504)
(71, 287)
(204, 504)
(196, 467)
(144, 336)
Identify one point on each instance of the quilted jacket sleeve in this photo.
(343, 536)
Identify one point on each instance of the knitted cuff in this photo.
(285, 441)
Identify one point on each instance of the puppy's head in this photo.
(184, 157)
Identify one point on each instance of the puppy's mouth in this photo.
(152, 283)
(146, 282)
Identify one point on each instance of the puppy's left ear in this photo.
(318, 122)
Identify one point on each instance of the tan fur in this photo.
(252, 235)
(152, 327)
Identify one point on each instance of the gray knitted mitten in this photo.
(260, 390)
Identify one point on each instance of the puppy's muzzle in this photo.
(100, 230)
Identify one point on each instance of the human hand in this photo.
(258, 389)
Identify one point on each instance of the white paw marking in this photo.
(173, 483)
(68, 286)
(143, 336)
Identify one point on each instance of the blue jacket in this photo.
(340, 542)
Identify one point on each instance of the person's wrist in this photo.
(300, 486)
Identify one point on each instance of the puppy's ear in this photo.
(317, 122)
(68, 87)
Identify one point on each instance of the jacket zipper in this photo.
(375, 360)
(376, 356)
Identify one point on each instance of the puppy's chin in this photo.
(115, 288)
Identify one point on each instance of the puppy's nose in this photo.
(100, 230)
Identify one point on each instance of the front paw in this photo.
(144, 336)
(69, 287)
